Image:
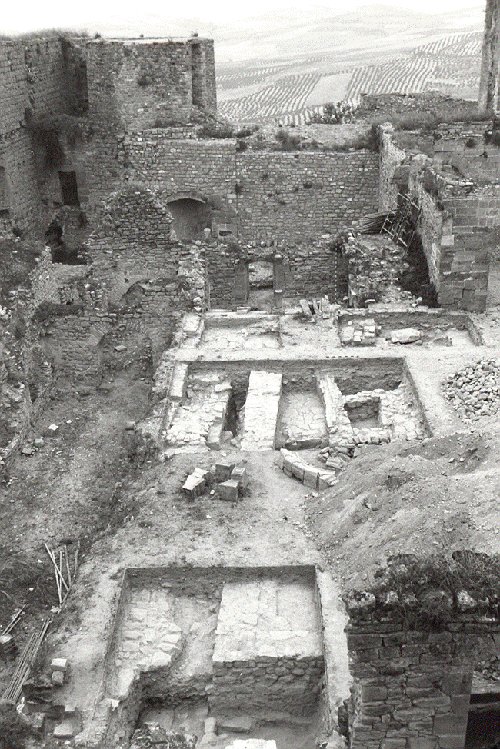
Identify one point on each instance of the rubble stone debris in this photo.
(474, 391)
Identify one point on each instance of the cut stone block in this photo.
(59, 664)
(238, 724)
(261, 410)
(57, 678)
(195, 484)
(64, 730)
(228, 491)
(223, 471)
(405, 335)
(252, 744)
(239, 474)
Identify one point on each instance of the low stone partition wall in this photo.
(340, 434)
(412, 683)
(293, 466)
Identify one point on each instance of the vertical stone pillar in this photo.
(411, 686)
(240, 283)
(489, 88)
(278, 281)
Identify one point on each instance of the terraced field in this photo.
(290, 92)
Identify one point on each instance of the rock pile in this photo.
(475, 390)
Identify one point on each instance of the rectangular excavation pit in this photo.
(301, 420)
(238, 331)
(304, 404)
(221, 650)
(363, 412)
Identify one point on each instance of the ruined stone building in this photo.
(272, 303)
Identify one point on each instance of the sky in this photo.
(31, 15)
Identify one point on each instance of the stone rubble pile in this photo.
(152, 735)
(475, 390)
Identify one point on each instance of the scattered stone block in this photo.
(239, 474)
(120, 347)
(238, 724)
(57, 678)
(64, 730)
(59, 664)
(405, 335)
(223, 471)
(195, 484)
(228, 491)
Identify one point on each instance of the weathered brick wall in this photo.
(412, 686)
(135, 83)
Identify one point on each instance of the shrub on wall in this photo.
(216, 130)
(287, 141)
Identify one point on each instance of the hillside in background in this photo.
(287, 67)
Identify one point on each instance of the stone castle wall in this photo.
(412, 686)
(133, 85)
(40, 77)
(277, 195)
(489, 89)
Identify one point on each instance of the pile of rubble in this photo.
(152, 735)
(475, 390)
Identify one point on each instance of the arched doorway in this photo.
(190, 217)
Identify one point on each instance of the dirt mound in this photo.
(438, 494)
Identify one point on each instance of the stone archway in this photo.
(190, 215)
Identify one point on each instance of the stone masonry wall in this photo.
(133, 84)
(489, 88)
(412, 687)
(37, 78)
(299, 196)
(281, 684)
(282, 196)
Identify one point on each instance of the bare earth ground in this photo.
(80, 485)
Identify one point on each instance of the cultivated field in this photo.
(290, 92)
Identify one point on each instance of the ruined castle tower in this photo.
(490, 70)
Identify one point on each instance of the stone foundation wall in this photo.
(281, 684)
(412, 686)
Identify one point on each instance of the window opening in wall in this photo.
(69, 188)
(4, 203)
